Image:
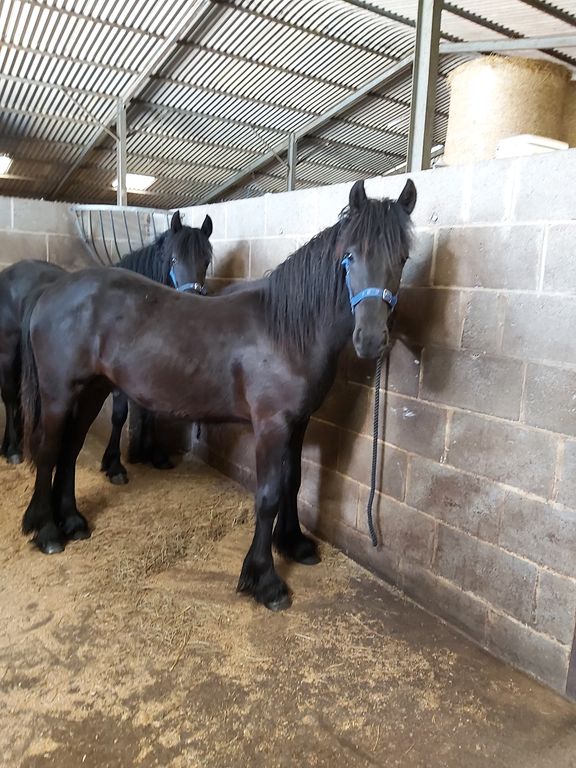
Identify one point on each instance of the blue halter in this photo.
(196, 287)
(378, 293)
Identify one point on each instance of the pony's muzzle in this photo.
(369, 344)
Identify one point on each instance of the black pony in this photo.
(265, 355)
(179, 257)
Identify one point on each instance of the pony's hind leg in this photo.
(258, 576)
(111, 460)
(5, 439)
(72, 524)
(39, 517)
(12, 442)
(144, 447)
(288, 537)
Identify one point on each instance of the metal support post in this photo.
(424, 79)
(121, 194)
(292, 160)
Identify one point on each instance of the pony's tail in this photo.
(30, 389)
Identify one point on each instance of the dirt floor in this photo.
(133, 649)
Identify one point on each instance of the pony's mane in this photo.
(151, 260)
(148, 260)
(303, 295)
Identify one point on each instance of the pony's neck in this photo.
(147, 261)
(306, 300)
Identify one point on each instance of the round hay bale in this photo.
(494, 97)
(570, 114)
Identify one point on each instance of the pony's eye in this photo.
(173, 260)
(350, 257)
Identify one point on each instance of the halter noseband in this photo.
(196, 287)
(378, 293)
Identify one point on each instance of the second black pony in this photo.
(265, 355)
(179, 258)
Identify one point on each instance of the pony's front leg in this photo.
(39, 516)
(72, 524)
(258, 576)
(111, 461)
(288, 537)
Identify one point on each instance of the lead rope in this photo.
(377, 379)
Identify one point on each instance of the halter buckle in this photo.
(196, 287)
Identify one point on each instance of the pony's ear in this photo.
(206, 227)
(358, 197)
(176, 223)
(407, 197)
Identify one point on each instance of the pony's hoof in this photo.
(279, 604)
(50, 547)
(265, 587)
(119, 479)
(303, 549)
(81, 533)
(75, 527)
(14, 458)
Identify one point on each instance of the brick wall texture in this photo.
(38, 229)
(476, 496)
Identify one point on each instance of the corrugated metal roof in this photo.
(240, 76)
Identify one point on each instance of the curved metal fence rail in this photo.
(111, 231)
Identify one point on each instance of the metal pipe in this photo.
(292, 160)
(514, 44)
(121, 192)
(424, 78)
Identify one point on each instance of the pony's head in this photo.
(186, 254)
(375, 240)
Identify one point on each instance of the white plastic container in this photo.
(527, 144)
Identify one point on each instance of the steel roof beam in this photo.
(551, 10)
(312, 32)
(393, 16)
(55, 87)
(388, 132)
(495, 27)
(192, 21)
(67, 12)
(51, 56)
(53, 118)
(382, 12)
(389, 76)
(514, 44)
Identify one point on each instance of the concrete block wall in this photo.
(476, 502)
(40, 229)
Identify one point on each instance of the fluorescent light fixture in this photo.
(5, 163)
(136, 182)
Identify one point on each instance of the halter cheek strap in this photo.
(378, 293)
(196, 287)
